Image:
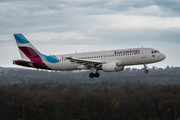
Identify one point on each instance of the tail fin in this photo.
(26, 49)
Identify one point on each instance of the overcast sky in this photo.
(66, 26)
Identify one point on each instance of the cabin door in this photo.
(143, 53)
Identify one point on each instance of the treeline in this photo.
(128, 102)
(155, 76)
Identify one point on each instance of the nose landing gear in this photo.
(145, 67)
(146, 71)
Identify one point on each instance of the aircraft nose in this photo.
(163, 57)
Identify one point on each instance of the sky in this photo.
(66, 26)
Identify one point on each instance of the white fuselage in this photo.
(108, 61)
(125, 57)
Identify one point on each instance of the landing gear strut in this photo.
(92, 75)
(145, 67)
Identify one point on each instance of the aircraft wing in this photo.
(85, 62)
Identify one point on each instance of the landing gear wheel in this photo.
(91, 75)
(96, 75)
(146, 71)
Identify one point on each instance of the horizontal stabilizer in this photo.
(22, 61)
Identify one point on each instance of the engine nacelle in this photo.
(112, 67)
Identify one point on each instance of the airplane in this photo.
(107, 61)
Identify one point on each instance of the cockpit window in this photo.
(155, 51)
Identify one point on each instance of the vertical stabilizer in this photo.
(26, 49)
(31, 57)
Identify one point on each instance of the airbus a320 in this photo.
(107, 61)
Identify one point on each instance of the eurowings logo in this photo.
(153, 55)
(124, 52)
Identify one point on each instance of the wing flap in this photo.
(86, 62)
(83, 61)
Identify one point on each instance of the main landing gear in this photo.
(92, 75)
(145, 67)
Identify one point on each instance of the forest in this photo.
(129, 102)
(129, 95)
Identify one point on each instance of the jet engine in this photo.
(112, 67)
